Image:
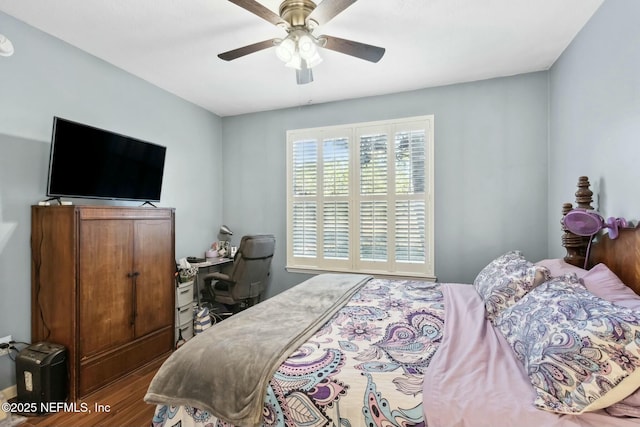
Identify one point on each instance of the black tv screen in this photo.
(93, 163)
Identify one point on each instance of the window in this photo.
(360, 198)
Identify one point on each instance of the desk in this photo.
(212, 266)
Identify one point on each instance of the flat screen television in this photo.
(92, 163)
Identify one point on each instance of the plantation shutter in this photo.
(410, 223)
(360, 198)
(305, 175)
(374, 172)
(335, 160)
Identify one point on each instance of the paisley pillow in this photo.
(581, 353)
(505, 280)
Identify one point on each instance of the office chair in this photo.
(245, 283)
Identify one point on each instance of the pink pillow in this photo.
(603, 283)
(600, 281)
(558, 267)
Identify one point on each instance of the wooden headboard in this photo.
(621, 255)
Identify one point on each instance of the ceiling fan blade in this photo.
(357, 49)
(260, 10)
(246, 50)
(328, 9)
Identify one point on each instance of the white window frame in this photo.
(390, 267)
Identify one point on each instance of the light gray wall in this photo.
(595, 116)
(47, 77)
(490, 168)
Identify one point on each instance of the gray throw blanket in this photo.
(226, 369)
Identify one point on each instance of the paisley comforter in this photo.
(365, 366)
(402, 353)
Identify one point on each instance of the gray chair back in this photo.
(251, 266)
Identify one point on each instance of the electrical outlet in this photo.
(6, 339)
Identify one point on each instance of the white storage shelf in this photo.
(184, 310)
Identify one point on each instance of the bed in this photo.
(527, 344)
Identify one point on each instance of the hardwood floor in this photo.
(119, 404)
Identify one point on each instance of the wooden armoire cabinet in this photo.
(102, 285)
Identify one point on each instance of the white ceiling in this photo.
(173, 44)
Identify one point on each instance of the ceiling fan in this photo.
(299, 48)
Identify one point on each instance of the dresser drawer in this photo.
(184, 294)
(98, 371)
(186, 329)
(184, 314)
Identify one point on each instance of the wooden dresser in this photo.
(102, 285)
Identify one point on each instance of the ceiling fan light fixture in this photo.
(299, 50)
(307, 46)
(308, 49)
(314, 60)
(286, 50)
(295, 62)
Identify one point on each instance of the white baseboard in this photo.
(10, 392)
